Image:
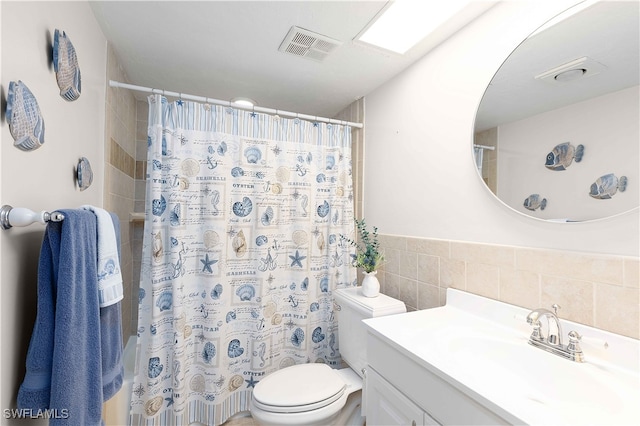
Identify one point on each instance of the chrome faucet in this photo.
(553, 342)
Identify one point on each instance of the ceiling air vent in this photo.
(578, 68)
(301, 42)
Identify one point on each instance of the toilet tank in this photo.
(352, 307)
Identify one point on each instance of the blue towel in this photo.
(67, 369)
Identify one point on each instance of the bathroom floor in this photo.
(241, 421)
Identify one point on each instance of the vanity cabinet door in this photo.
(387, 406)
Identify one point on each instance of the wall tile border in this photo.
(601, 291)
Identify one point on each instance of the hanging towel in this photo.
(111, 335)
(64, 362)
(109, 275)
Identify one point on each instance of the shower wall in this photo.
(120, 173)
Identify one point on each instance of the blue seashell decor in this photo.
(246, 292)
(297, 337)
(235, 350)
(84, 174)
(158, 206)
(324, 284)
(534, 202)
(216, 292)
(66, 67)
(155, 368)
(222, 148)
(317, 336)
(165, 301)
(261, 240)
(606, 186)
(26, 124)
(267, 216)
(562, 155)
(323, 209)
(253, 154)
(209, 352)
(242, 208)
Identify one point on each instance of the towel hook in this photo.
(21, 216)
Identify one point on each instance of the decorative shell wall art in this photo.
(563, 155)
(606, 186)
(84, 174)
(23, 115)
(534, 202)
(66, 67)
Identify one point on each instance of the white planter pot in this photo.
(370, 284)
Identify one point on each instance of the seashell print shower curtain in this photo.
(241, 254)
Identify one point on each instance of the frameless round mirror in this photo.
(557, 131)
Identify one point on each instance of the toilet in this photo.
(314, 393)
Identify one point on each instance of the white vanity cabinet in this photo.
(399, 391)
(469, 363)
(387, 406)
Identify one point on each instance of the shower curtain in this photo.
(241, 254)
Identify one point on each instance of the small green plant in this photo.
(367, 256)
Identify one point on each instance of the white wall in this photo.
(420, 178)
(607, 127)
(43, 179)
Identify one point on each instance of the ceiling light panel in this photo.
(404, 23)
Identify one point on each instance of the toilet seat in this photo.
(299, 388)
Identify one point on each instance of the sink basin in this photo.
(533, 374)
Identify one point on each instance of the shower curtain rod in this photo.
(128, 86)
(490, 148)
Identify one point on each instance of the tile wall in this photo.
(120, 172)
(597, 290)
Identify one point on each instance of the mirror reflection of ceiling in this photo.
(606, 32)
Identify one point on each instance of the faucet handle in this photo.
(573, 347)
(536, 334)
(555, 307)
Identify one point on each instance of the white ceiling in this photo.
(228, 49)
(607, 32)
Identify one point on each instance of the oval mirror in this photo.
(557, 131)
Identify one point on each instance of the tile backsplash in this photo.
(601, 291)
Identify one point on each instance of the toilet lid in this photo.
(299, 388)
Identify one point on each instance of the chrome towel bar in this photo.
(21, 216)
